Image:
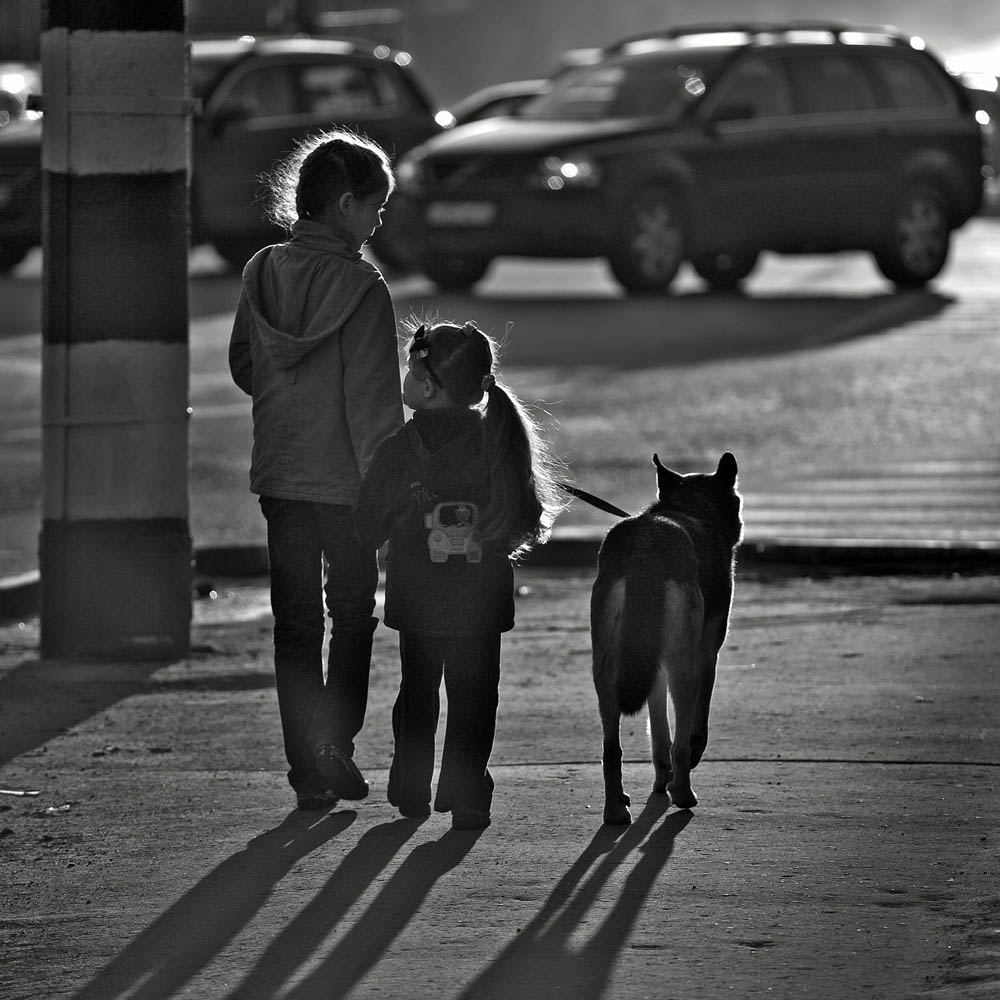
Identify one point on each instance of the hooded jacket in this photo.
(406, 482)
(314, 344)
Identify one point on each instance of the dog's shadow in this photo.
(542, 962)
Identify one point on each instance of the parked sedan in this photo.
(258, 96)
(709, 145)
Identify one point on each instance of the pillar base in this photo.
(115, 590)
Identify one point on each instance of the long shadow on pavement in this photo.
(188, 936)
(540, 963)
(359, 950)
(644, 332)
(42, 698)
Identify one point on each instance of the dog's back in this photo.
(660, 604)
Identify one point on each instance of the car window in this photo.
(628, 88)
(343, 90)
(910, 84)
(758, 89)
(827, 83)
(265, 91)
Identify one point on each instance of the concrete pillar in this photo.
(115, 548)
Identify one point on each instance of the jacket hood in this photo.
(283, 282)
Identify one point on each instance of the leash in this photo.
(605, 505)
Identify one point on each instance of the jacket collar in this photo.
(316, 236)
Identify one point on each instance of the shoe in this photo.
(317, 800)
(469, 819)
(339, 773)
(411, 810)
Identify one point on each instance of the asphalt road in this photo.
(572, 338)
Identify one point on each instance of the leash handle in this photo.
(605, 505)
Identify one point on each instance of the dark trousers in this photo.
(471, 669)
(304, 541)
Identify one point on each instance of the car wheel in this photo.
(918, 239)
(236, 252)
(651, 243)
(11, 254)
(454, 273)
(724, 271)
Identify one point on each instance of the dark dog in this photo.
(659, 613)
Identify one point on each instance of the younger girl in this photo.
(314, 343)
(464, 486)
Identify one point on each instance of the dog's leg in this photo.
(616, 801)
(606, 605)
(683, 676)
(713, 635)
(659, 733)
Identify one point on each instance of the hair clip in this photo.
(420, 349)
(488, 382)
(469, 328)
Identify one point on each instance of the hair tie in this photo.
(488, 382)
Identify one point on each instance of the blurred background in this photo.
(461, 45)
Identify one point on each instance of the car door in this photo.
(838, 158)
(251, 120)
(741, 168)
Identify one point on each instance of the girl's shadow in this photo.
(176, 946)
(359, 950)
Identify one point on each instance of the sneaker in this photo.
(317, 800)
(340, 774)
(469, 819)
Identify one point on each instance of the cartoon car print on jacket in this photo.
(452, 531)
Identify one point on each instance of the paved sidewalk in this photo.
(845, 845)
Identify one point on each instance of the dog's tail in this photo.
(628, 626)
(648, 623)
(640, 642)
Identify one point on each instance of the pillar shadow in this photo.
(178, 944)
(541, 963)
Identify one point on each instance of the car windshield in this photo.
(657, 83)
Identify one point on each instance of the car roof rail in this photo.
(839, 30)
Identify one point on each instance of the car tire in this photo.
(918, 239)
(11, 254)
(236, 252)
(651, 243)
(452, 273)
(724, 271)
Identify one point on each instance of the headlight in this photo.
(558, 172)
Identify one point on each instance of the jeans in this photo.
(471, 669)
(313, 552)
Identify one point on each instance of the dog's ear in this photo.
(726, 472)
(666, 478)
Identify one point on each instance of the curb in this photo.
(577, 548)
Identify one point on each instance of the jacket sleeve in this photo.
(378, 497)
(372, 392)
(240, 360)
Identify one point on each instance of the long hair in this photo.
(523, 496)
(320, 169)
